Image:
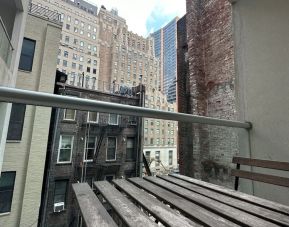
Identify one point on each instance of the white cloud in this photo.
(137, 12)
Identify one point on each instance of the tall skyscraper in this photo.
(165, 46)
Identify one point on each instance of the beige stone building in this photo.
(78, 54)
(133, 61)
(25, 152)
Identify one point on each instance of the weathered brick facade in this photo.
(124, 165)
(206, 151)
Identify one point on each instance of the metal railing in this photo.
(44, 13)
(6, 47)
(51, 100)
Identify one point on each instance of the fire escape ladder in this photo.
(101, 136)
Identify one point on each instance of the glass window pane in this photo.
(111, 148)
(16, 121)
(60, 191)
(27, 54)
(64, 155)
(69, 114)
(7, 180)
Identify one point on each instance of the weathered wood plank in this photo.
(191, 210)
(160, 211)
(221, 209)
(128, 212)
(92, 211)
(262, 163)
(239, 195)
(261, 212)
(270, 179)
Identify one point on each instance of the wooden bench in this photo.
(266, 178)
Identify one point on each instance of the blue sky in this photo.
(145, 16)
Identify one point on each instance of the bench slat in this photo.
(127, 211)
(240, 195)
(186, 207)
(237, 203)
(159, 210)
(224, 210)
(281, 181)
(93, 212)
(261, 163)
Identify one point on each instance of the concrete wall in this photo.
(261, 54)
(27, 157)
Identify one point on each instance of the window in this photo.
(82, 24)
(109, 178)
(94, 49)
(75, 29)
(170, 157)
(88, 35)
(93, 37)
(113, 119)
(152, 141)
(74, 56)
(90, 145)
(111, 149)
(76, 21)
(148, 156)
(65, 149)
(68, 18)
(157, 158)
(67, 26)
(60, 190)
(94, 71)
(64, 63)
(94, 62)
(89, 46)
(27, 54)
(81, 43)
(130, 148)
(92, 117)
(16, 121)
(81, 58)
(65, 53)
(69, 114)
(88, 69)
(7, 181)
(89, 27)
(80, 67)
(73, 65)
(75, 41)
(81, 32)
(94, 29)
(67, 39)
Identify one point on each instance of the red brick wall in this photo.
(211, 88)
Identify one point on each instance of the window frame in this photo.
(97, 118)
(32, 61)
(22, 121)
(59, 147)
(117, 119)
(108, 147)
(67, 119)
(11, 188)
(85, 148)
(66, 191)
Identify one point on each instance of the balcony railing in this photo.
(6, 47)
(44, 13)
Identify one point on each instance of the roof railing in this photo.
(44, 13)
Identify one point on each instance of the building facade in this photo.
(86, 147)
(206, 86)
(12, 23)
(25, 152)
(78, 54)
(133, 62)
(165, 46)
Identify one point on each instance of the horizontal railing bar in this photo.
(52, 100)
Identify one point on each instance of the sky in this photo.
(145, 16)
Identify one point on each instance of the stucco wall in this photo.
(261, 55)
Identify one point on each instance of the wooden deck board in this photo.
(222, 209)
(127, 211)
(188, 208)
(264, 213)
(239, 195)
(93, 213)
(163, 213)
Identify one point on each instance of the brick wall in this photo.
(210, 77)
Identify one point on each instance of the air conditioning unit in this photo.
(58, 207)
(133, 123)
